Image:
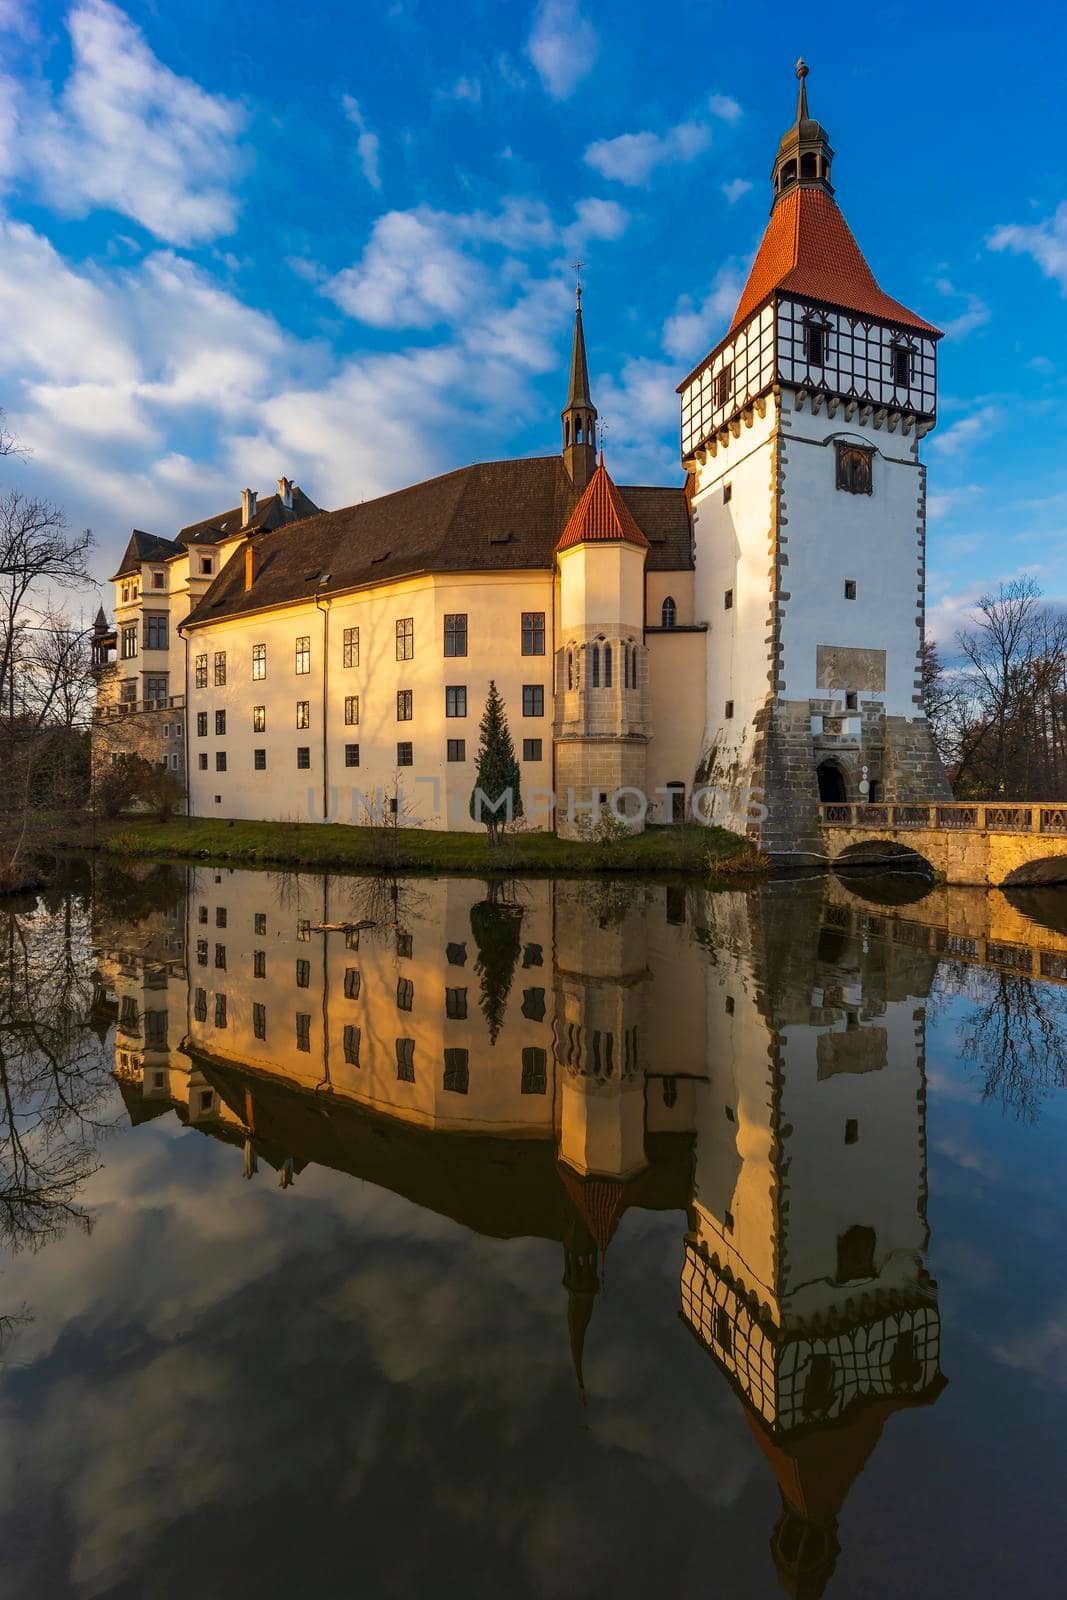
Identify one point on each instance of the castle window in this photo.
(814, 341)
(669, 613)
(220, 722)
(259, 760)
(854, 472)
(405, 638)
(405, 755)
(456, 954)
(351, 755)
(302, 660)
(727, 493)
(789, 174)
(456, 1004)
(201, 670)
(456, 750)
(259, 661)
(405, 994)
(351, 710)
(728, 710)
(303, 1030)
(220, 668)
(259, 719)
(534, 1070)
(533, 700)
(852, 700)
(607, 666)
(570, 670)
(155, 634)
(724, 384)
(722, 1329)
(456, 634)
(457, 1071)
(533, 956)
(352, 982)
(455, 700)
(303, 930)
(351, 1044)
(533, 633)
(259, 922)
(901, 363)
(129, 646)
(201, 724)
(303, 974)
(670, 1091)
(220, 957)
(220, 761)
(199, 1008)
(405, 1060)
(809, 164)
(850, 588)
(303, 756)
(303, 713)
(350, 648)
(533, 1005)
(220, 1011)
(855, 1254)
(852, 1131)
(259, 963)
(531, 750)
(728, 600)
(259, 1020)
(595, 678)
(207, 566)
(201, 761)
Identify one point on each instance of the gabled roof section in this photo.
(146, 547)
(270, 513)
(601, 516)
(809, 250)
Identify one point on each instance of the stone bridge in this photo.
(990, 844)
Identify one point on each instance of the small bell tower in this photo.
(579, 414)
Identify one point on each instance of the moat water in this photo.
(547, 1239)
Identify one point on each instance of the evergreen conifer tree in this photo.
(498, 771)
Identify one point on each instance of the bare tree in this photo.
(36, 551)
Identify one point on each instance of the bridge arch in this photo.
(886, 853)
(1045, 870)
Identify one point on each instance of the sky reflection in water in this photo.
(657, 1291)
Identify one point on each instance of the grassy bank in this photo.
(711, 852)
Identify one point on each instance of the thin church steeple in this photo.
(579, 413)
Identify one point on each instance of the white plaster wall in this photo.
(493, 602)
(679, 585)
(733, 551)
(833, 535)
(602, 583)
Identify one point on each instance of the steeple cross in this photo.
(578, 265)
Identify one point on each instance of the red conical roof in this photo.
(808, 250)
(601, 516)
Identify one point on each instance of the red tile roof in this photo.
(808, 250)
(601, 515)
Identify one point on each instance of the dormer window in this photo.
(815, 344)
(207, 566)
(901, 360)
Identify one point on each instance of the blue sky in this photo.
(334, 242)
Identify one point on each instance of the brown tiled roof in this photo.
(601, 516)
(145, 547)
(270, 513)
(495, 516)
(663, 517)
(808, 249)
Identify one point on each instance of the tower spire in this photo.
(804, 154)
(579, 413)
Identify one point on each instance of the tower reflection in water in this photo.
(535, 1060)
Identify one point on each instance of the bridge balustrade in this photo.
(959, 816)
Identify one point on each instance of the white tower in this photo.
(801, 434)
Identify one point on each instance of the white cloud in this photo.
(689, 333)
(596, 219)
(639, 410)
(725, 107)
(8, 129)
(974, 315)
(563, 46)
(966, 432)
(735, 189)
(632, 157)
(467, 90)
(1045, 242)
(368, 145)
(129, 135)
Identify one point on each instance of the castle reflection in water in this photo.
(533, 1060)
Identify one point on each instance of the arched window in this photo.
(567, 431)
(607, 666)
(670, 612)
(578, 430)
(595, 681)
(789, 173)
(809, 165)
(570, 670)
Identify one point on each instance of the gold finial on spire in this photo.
(578, 265)
(802, 70)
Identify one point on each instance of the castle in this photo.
(734, 649)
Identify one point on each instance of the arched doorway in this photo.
(831, 782)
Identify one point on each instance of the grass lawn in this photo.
(711, 852)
